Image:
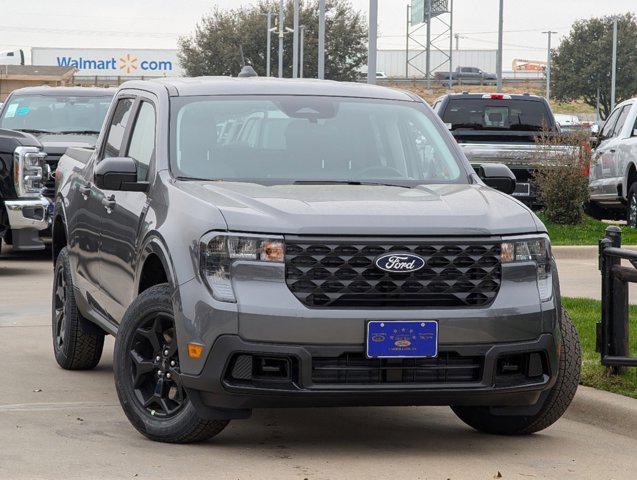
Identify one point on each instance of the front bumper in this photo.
(217, 387)
(26, 219)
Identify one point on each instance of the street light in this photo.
(498, 62)
(301, 50)
(373, 41)
(548, 65)
(268, 53)
(321, 41)
(281, 33)
(613, 75)
(295, 41)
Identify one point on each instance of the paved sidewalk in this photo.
(579, 275)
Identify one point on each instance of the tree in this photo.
(214, 47)
(582, 62)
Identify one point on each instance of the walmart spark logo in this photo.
(128, 63)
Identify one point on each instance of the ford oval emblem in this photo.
(398, 262)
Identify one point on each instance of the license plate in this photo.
(51, 208)
(522, 189)
(398, 339)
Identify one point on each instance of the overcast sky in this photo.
(158, 23)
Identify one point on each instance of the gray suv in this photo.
(257, 243)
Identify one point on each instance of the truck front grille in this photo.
(355, 368)
(49, 182)
(341, 274)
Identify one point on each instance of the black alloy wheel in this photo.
(154, 366)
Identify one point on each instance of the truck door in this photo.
(626, 149)
(125, 214)
(602, 167)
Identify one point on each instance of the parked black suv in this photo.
(274, 243)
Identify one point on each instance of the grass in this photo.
(586, 233)
(586, 313)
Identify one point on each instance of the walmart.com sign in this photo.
(111, 62)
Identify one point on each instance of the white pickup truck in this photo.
(613, 174)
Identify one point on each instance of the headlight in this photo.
(536, 250)
(218, 251)
(28, 165)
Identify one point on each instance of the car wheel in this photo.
(631, 206)
(147, 375)
(554, 404)
(77, 343)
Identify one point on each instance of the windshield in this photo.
(296, 139)
(496, 114)
(55, 114)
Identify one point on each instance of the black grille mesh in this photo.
(343, 274)
(355, 368)
(49, 182)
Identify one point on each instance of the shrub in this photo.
(562, 175)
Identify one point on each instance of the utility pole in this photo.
(268, 52)
(321, 41)
(281, 33)
(613, 78)
(295, 41)
(498, 62)
(451, 45)
(428, 54)
(301, 50)
(548, 65)
(373, 42)
(408, 24)
(457, 36)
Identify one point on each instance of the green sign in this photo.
(418, 11)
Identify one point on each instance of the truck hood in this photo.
(365, 210)
(56, 144)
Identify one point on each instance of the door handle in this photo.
(109, 203)
(85, 191)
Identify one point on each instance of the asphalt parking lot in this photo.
(62, 424)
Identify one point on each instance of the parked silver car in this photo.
(613, 175)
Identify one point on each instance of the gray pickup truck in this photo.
(466, 76)
(259, 242)
(501, 128)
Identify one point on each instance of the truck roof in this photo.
(183, 86)
(74, 91)
(513, 96)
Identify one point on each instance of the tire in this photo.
(555, 403)
(597, 212)
(77, 343)
(146, 361)
(631, 206)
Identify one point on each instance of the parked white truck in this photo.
(613, 174)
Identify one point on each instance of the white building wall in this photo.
(392, 62)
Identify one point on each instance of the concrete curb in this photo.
(609, 411)
(576, 252)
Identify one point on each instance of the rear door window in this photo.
(117, 127)
(621, 120)
(607, 130)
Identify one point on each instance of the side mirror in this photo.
(118, 173)
(594, 141)
(496, 175)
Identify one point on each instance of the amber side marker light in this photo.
(195, 350)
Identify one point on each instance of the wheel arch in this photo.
(154, 265)
(59, 230)
(630, 176)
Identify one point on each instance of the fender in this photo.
(625, 186)
(154, 244)
(60, 212)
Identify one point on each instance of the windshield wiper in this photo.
(470, 126)
(348, 182)
(32, 130)
(76, 132)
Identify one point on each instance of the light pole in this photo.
(498, 61)
(321, 41)
(548, 65)
(613, 75)
(268, 52)
(373, 41)
(281, 33)
(295, 41)
(301, 50)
